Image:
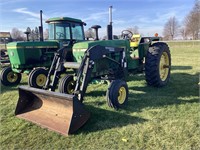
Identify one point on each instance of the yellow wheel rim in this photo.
(164, 66)
(41, 79)
(70, 87)
(122, 95)
(12, 77)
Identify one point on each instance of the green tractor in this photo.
(35, 57)
(110, 60)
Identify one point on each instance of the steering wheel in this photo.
(60, 34)
(126, 34)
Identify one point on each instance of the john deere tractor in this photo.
(35, 57)
(110, 60)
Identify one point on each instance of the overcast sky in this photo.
(148, 15)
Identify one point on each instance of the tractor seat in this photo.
(135, 39)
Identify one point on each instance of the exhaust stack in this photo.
(41, 27)
(109, 26)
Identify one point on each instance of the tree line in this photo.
(33, 34)
(190, 28)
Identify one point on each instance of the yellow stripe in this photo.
(79, 50)
(14, 47)
(17, 47)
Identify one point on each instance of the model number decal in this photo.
(111, 49)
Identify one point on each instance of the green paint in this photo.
(134, 55)
(26, 55)
(63, 19)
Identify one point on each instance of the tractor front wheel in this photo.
(9, 78)
(67, 85)
(117, 94)
(37, 78)
(158, 64)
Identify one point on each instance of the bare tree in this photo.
(32, 35)
(192, 21)
(89, 33)
(114, 37)
(17, 34)
(171, 27)
(134, 30)
(36, 34)
(184, 33)
(46, 34)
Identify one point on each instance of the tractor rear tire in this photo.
(158, 65)
(117, 94)
(37, 78)
(67, 85)
(10, 78)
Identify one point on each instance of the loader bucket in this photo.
(59, 112)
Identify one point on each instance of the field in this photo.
(155, 118)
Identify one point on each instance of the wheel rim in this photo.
(12, 77)
(122, 95)
(164, 66)
(41, 79)
(70, 87)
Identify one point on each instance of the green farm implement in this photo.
(110, 60)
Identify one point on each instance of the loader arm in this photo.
(55, 69)
(91, 56)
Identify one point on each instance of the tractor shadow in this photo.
(181, 67)
(183, 88)
(102, 119)
(4, 89)
(97, 92)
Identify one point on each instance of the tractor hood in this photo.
(33, 44)
(26, 55)
(80, 48)
(111, 43)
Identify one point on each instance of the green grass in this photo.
(155, 118)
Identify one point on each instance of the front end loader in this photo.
(110, 60)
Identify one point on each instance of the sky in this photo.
(149, 15)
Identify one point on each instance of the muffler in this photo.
(59, 112)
